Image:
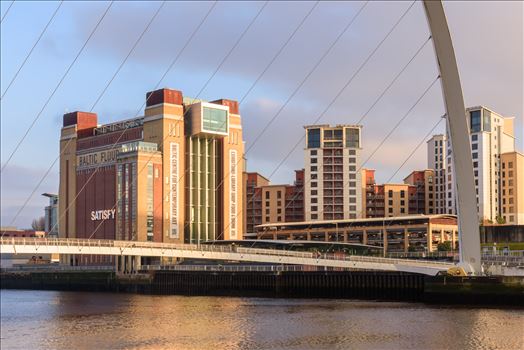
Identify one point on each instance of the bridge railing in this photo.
(77, 242)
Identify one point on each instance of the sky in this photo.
(293, 91)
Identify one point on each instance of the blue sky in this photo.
(488, 39)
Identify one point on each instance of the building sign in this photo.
(233, 194)
(173, 183)
(108, 214)
(97, 158)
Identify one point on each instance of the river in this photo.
(77, 320)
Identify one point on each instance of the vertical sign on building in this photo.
(233, 194)
(174, 191)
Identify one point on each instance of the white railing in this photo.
(123, 245)
(229, 268)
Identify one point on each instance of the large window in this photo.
(313, 138)
(214, 120)
(475, 121)
(352, 137)
(486, 115)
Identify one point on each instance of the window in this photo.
(314, 200)
(352, 137)
(510, 165)
(390, 210)
(313, 138)
(352, 160)
(314, 192)
(352, 176)
(475, 122)
(314, 176)
(510, 173)
(279, 194)
(267, 218)
(390, 193)
(314, 160)
(474, 146)
(352, 168)
(476, 172)
(486, 115)
(314, 216)
(267, 195)
(279, 218)
(475, 164)
(267, 211)
(352, 152)
(267, 204)
(402, 210)
(390, 202)
(313, 152)
(475, 155)
(402, 202)
(402, 194)
(474, 137)
(313, 168)
(314, 208)
(214, 120)
(313, 184)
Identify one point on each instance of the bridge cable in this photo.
(7, 11)
(159, 82)
(345, 86)
(56, 88)
(278, 53)
(98, 99)
(32, 48)
(201, 90)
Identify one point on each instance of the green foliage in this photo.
(444, 246)
(500, 220)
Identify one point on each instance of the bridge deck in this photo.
(214, 252)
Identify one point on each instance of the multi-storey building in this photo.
(332, 188)
(421, 191)
(512, 188)
(414, 196)
(491, 135)
(266, 203)
(253, 183)
(172, 175)
(437, 160)
(51, 215)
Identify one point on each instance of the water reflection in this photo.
(63, 320)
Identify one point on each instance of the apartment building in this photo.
(333, 185)
(414, 196)
(421, 191)
(512, 188)
(491, 136)
(437, 160)
(267, 203)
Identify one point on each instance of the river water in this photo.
(75, 320)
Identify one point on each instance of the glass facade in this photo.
(352, 138)
(486, 116)
(313, 138)
(475, 121)
(214, 120)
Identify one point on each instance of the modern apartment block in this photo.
(266, 203)
(333, 185)
(414, 196)
(491, 136)
(421, 191)
(437, 160)
(512, 179)
(171, 175)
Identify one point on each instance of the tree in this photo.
(38, 224)
(500, 220)
(444, 246)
